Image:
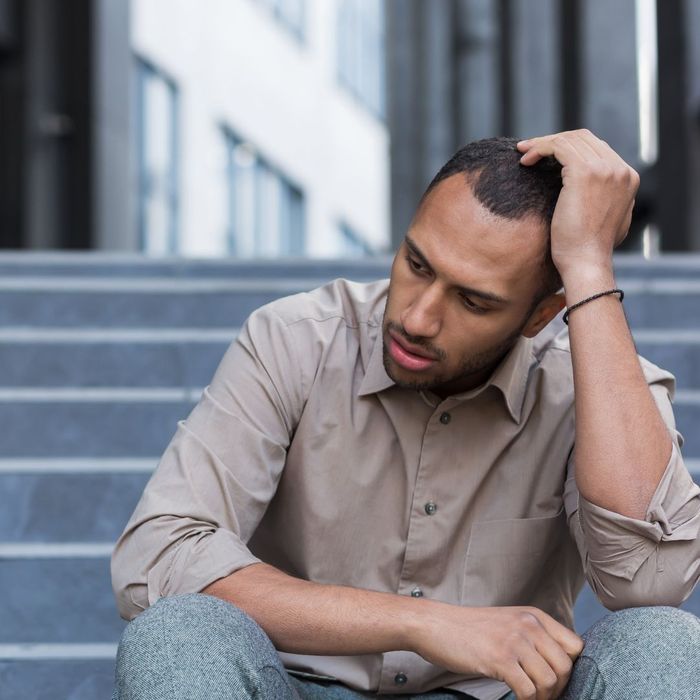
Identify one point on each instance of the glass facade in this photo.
(361, 51)
(265, 209)
(156, 177)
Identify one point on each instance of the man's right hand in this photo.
(520, 645)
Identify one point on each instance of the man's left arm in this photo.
(623, 444)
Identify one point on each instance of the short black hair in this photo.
(508, 189)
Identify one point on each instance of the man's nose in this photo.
(423, 317)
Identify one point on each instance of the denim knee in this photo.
(195, 645)
(651, 651)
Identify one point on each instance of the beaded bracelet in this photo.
(595, 296)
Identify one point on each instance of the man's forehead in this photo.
(453, 217)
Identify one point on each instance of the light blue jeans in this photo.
(199, 647)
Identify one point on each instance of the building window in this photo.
(157, 198)
(265, 209)
(289, 13)
(361, 67)
(352, 244)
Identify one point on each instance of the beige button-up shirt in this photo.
(304, 454)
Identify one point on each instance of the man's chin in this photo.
(408, 379)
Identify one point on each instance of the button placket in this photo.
(420, 525)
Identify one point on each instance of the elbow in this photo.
(130, 594)
(618, 593)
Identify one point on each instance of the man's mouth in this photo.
(407, 359)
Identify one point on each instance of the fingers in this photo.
(569, 146)
(563, 149)
(542, 671)
(541, 674)
(566, 638)
(521, 684)
(558, 661)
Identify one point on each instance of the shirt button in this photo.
(445, 418)
(417, 593)
(430, 508)
(400, 679)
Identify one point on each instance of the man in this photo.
(379, 491)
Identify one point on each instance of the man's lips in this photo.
(412, 349)
(407, 358)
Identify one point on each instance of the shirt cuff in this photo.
(196, 562)
(618, 544)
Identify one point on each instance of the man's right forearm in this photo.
(303, 617)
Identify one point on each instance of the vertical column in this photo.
(673, 171)
(422, 93)
(112, 222)
(611, 104)
(404, 110)
(535, 68)
(11, 120)
(441, 85)
(570, 50)
(57, 196)
(692, 118)
(478, 70)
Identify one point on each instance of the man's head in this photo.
(475, 270)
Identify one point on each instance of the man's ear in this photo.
(544, 312)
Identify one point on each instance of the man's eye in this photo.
(473, 307)
(414, 265)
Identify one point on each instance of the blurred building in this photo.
(252, 128)
(311, 127)
(260, 127)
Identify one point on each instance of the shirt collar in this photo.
(510, 376)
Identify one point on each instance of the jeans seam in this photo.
(599, 676)
(286, 682)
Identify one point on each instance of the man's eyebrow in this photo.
(488, 296)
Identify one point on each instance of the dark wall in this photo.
(58, 64)
(460, 70)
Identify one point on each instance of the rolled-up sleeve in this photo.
(217, 476)
(652, 561)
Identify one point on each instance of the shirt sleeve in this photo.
(217, 476)
(653, 561)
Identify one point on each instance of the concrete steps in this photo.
(102, 354)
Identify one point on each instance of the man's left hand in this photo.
(594, 210)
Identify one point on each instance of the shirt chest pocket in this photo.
(508, 560)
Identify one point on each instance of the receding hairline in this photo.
(469, 178)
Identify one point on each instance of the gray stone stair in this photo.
(102, 354)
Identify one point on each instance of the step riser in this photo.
(109, 429)
(52, 600)
(77, 680)
(143, 429)
(87, 265)
(109, 364)
(67, 507)
(153, 364)
(226, 309)
(305, 269)
(130, 309)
